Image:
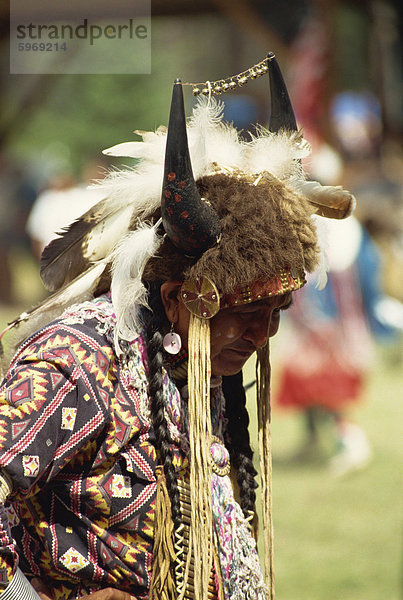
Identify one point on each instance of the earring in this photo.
(172, 342)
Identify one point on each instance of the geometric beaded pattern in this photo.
(66, 403)
(283, 282)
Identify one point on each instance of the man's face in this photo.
(238, 331)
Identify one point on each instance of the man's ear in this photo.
(170, 299)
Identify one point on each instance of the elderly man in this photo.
(120, 418)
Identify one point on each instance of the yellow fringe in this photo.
(199, 372)
(264, 436)
(162, 582)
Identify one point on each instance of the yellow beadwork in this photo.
(229, 83)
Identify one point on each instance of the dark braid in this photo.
(155, 321)
(238, 441)
(238, 418)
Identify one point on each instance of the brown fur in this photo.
(264, 228)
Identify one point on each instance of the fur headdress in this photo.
(109, 235)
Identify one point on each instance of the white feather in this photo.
(211, 140)
(102, 238)
(207, 113)
(151, 136)
(152, 150)
(128, 291)
(129, 149)
(206, 116)
(278, 154)
(139, 187)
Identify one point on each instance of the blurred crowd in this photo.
(33, 214)
(327, 351)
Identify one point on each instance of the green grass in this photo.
(335, 538)
(27, 290)
(340, 538)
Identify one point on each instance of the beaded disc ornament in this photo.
(201, 297)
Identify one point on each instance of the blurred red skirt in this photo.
(330, 388)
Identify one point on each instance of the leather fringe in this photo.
(200, 547)
(265, 455)
(162, 582)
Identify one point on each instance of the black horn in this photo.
(281, 114)
(190, 223)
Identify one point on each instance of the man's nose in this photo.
(257, 331)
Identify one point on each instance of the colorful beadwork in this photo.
(285, 281)
(219, 462)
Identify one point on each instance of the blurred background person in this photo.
(62, 202)
(323, 371)
(347, 120)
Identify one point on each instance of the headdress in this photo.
(233, 222)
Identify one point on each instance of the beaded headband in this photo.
(203, 300)
(285, 281)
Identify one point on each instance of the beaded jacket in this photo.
(78, 445)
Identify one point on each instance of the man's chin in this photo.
(221, 367)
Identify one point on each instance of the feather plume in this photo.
(78, 290)
(148, 136)
(127, 149)
(151, 150)
(207, 113)
(225, 148)
(139, 187)
(87, 240)
(278, 154)
(128, 291)
(132, 195)
(329, 201)
(211, 141)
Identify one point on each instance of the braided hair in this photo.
(238, 441)
(155, 323)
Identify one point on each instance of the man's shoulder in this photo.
(99, 310)
(90, 324)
